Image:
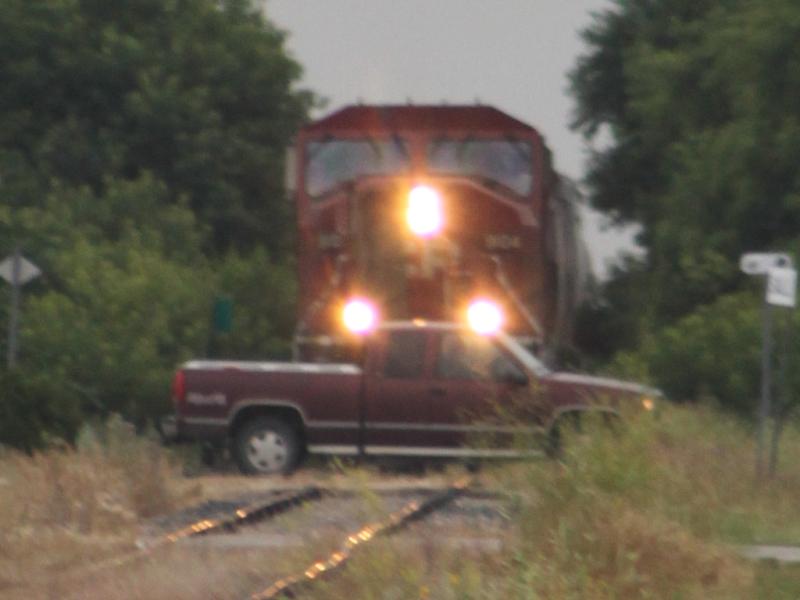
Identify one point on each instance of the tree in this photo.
(264, 305)
(199, 94)
(125, 295)
(141, 159)
(698, 99)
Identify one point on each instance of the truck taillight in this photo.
(178, 387)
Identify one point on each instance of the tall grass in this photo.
(650, 510)
(68, 505)
(693, 466)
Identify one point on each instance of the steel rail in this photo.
(241, 516)
(414, 510)
(248, 514)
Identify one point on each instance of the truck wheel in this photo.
(266, 446)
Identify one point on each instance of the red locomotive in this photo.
(433, 212)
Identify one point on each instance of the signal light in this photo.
(359, 316)
(484, 316)
(424, 213)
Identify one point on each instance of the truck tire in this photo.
(266, 446)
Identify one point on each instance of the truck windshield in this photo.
(465, 355)
(331, 162)
(505, 161)
(523, 356)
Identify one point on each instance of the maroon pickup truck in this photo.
(422, 389)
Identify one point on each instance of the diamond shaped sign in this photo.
(27, 270)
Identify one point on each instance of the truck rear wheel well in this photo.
(287, 414)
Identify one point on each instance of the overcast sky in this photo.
(513, 54)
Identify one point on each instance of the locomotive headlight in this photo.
(424, 213)
(484, 316)
(359, 315)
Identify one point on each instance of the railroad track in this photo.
(411, 511)
(277, 544)
(244, 514)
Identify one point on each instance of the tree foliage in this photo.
(197, 93)
(698, 99)
(141, 168)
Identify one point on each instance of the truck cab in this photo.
(434, 389)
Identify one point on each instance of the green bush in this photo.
(714, 354)
(36, 408)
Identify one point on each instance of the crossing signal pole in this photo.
(780, 291)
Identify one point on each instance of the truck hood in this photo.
(569, 390)
(602, 384)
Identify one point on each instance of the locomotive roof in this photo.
(432, 117)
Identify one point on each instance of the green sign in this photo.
(223, 315)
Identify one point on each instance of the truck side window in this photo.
(469, 356)
(405, 355)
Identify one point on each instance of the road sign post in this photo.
(13, 315)
(17, 271)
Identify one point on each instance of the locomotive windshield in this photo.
(505, 161)
(331, 162)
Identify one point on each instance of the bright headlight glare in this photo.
(359, 315)
(648, 403)
(424, 213)
(484, 316)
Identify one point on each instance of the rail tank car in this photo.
(433, 212)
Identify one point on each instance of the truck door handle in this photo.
(437, 391)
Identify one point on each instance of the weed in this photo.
(67, 505)
(646, 510)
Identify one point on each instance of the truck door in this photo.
(396, 401)
(473, 389)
